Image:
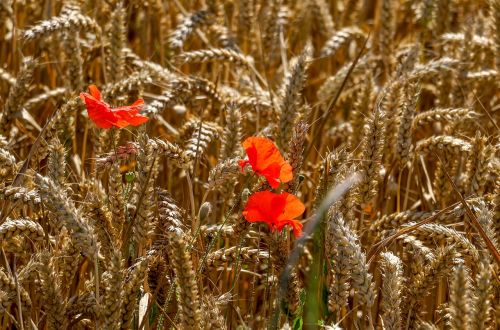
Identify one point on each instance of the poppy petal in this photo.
(277, 210)
(271, 179)
(129, 109)
(137, 103)
(121, 123)
(105, 117)
(98, 111)
(252, 155)
(137, 120)
(264, 206)
(130, 113)
(266, 160)
(286, 172)
(268, 153)
(101, 117)
(295, 224)
(94, 91)
(293, 207)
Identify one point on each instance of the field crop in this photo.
(249, 164)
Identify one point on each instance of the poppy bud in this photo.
(205, 210)
(245, 195)
(129, 177)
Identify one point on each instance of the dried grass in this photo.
(142, 227)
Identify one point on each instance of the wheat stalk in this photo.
(145, 227)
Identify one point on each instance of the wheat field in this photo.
(379, 206)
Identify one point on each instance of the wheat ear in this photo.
(391, 290)
(290, 93)
(459, 307)
(17, 95)
(188, 298)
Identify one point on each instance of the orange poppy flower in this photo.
(105, 117)
(266, 160)
(277, 210)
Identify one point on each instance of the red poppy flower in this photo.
(277, 210)
(105, 117)
(266, 160)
